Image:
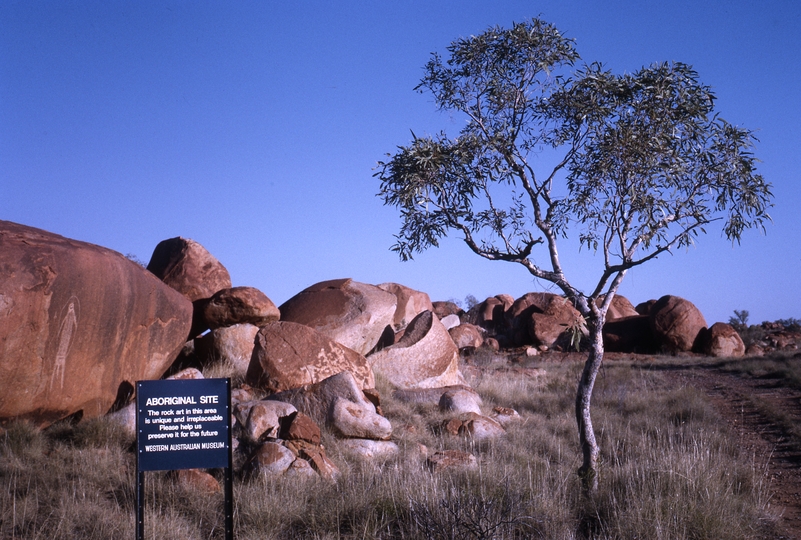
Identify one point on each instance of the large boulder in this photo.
(551, 318)
(289, 355)
(676, 323)
(490, 312)
(239, 305)
(189, 268)
(518, 316)
(425, 357)
(351, 313)
(79, 325)
(721, 340)
(410, 304)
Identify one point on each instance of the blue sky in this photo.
(254, 128)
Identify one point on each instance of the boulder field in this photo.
(80, 324)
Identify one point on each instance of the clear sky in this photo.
(255, 127)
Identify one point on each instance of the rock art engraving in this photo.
(68, 326)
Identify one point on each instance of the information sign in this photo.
(183, 424)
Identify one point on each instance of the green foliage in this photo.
(577, 331)
(643, 162)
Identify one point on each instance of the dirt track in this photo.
(749, 406)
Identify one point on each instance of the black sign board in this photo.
(183, 424)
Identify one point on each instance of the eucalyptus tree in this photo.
(632, 166)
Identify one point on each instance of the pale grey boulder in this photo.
(460, 401)
(354, 420)
(370, 449)
(425, 357)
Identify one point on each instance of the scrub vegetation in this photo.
(671, 469)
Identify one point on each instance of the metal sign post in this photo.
(183, 424)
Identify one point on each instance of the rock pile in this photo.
(79, 324)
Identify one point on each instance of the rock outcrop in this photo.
(351, 313)
(79, 324)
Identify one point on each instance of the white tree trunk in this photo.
(589, 446)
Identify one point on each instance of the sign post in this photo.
(183, 424)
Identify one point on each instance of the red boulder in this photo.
(676, 323)
(239, 305)
(78, 325)
(722, 340)
(189, 268)
(288, 355)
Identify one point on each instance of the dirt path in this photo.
(760, 411)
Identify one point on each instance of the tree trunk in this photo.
(589, 447)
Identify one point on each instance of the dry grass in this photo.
(670, 470)
(784, 368)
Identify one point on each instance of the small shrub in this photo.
(472, 514)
